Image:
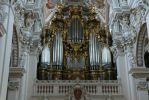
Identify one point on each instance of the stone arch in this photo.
(15, 48)
(140, 46)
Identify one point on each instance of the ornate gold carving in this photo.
(76, 50)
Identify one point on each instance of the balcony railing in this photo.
(63, 87)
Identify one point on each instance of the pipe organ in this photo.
(76, 46)
(94, 50)
(75, 31)
(58, 50)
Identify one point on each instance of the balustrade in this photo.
(64, 87)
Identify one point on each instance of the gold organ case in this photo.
(76, 40)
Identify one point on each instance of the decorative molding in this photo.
(142, 86)
(131, 57)
(36, 48)
(117, 49)
(16, 72)
(139, 72)
(139, 48)
(138, 14)
(13, 85)
(15, 48)
(124, 37)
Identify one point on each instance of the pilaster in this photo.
(124, 37)
(32, 68)
(142, 87)
(13, 89)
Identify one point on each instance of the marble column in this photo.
(5, 52)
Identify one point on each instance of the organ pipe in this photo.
(58, 44)
(90, 49)
(61, 50)
(94, 50)
(45, 57)
(76, 30)
(58, 50)
(96, 62)
(106, 56)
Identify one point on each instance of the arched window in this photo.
(146, 59)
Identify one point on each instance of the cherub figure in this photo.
(127, 30)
